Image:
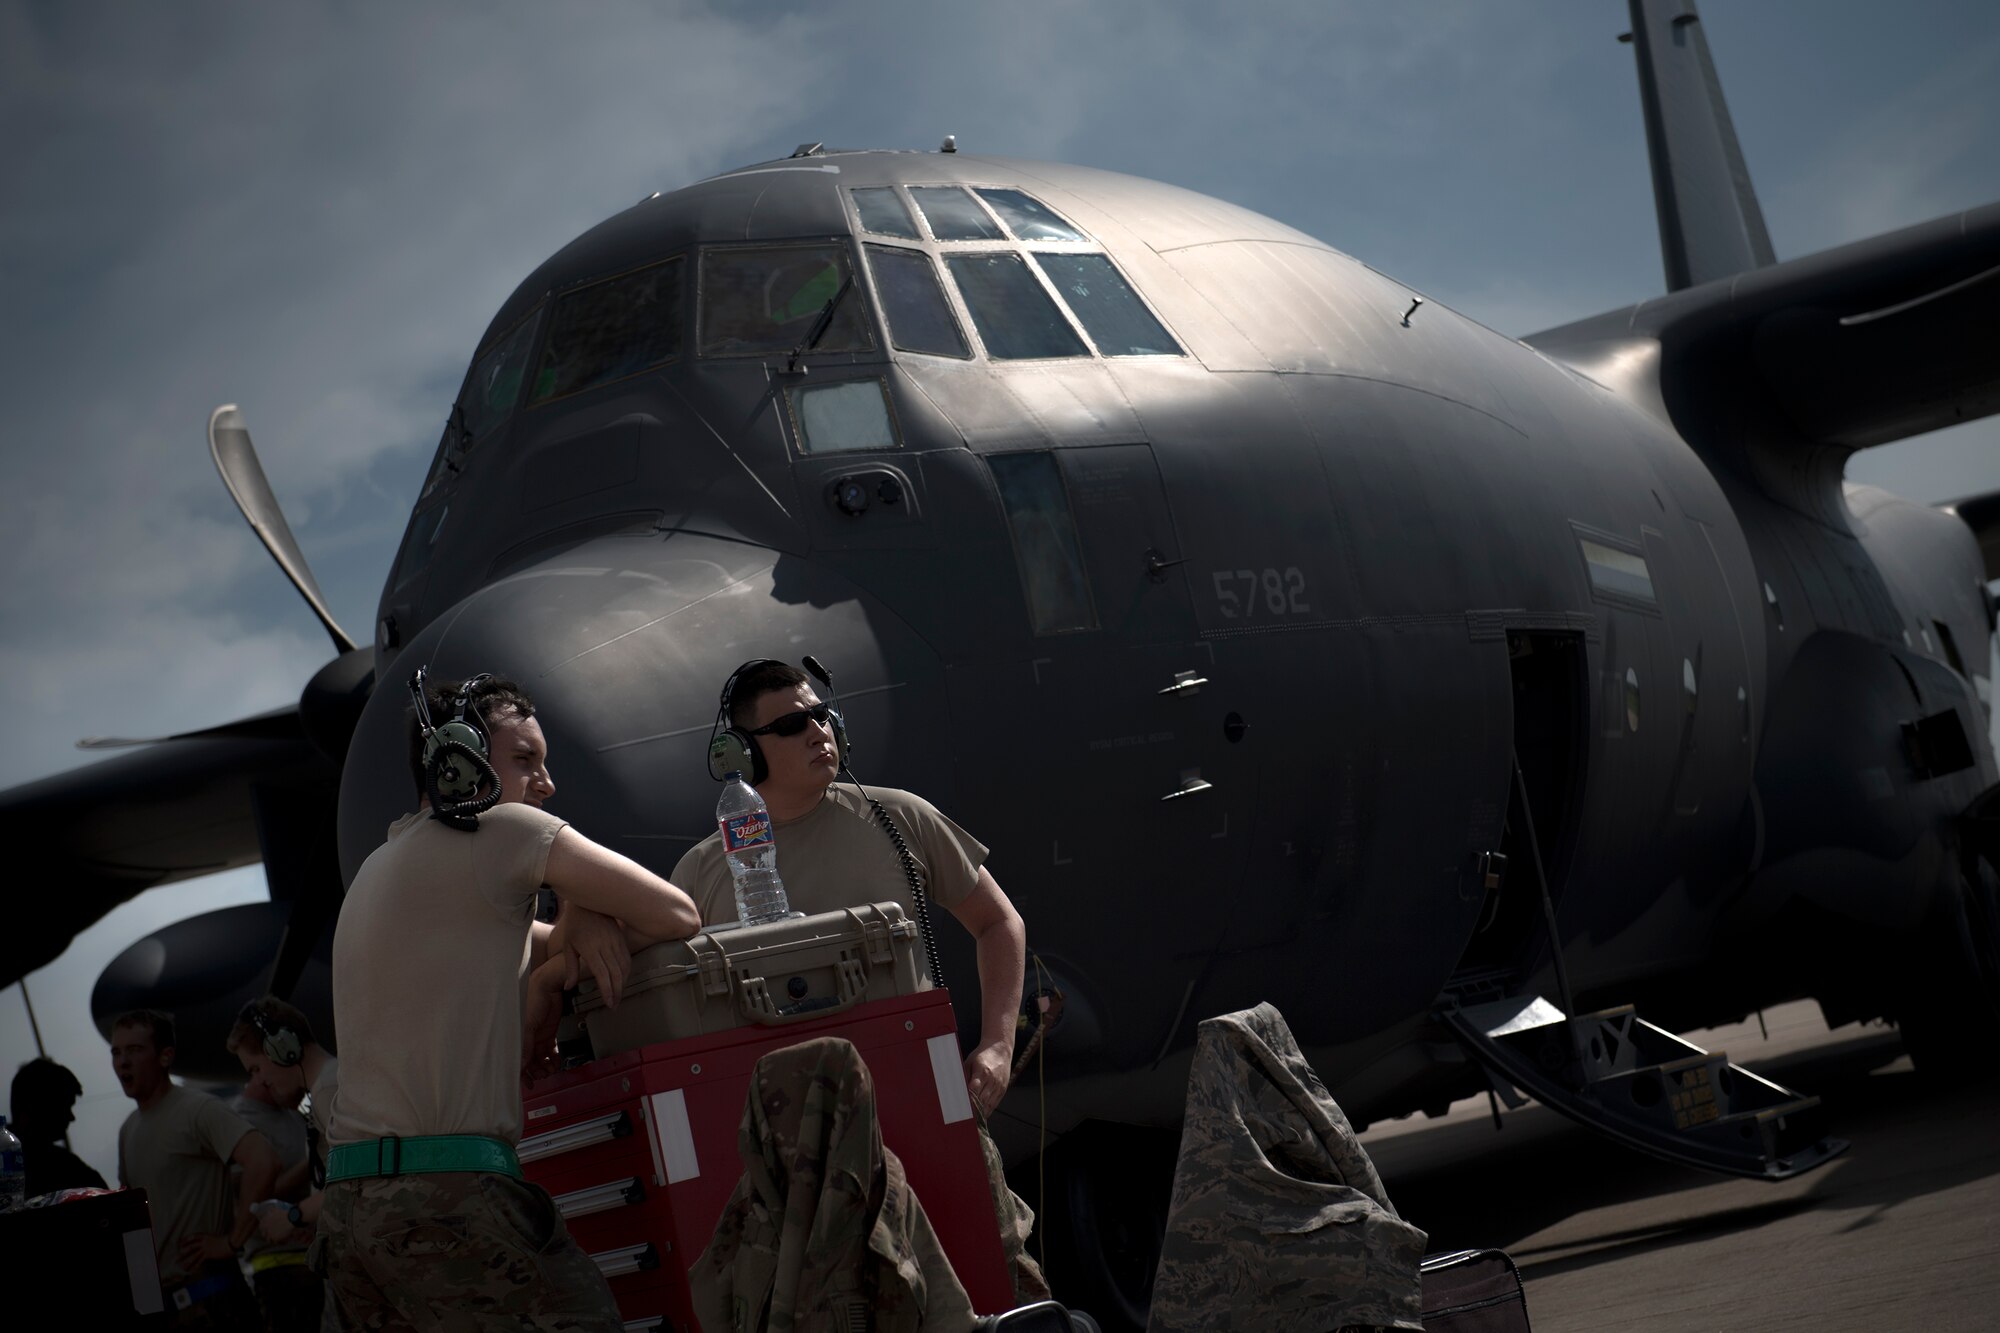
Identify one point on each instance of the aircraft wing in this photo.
(1852, 347)
(180, 807)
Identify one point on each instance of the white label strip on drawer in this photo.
(601, 1198)
(670, 1122)
(640, 1258)
(601, 1129)
(655, 1323)
(949, 1072)
(143, 1271)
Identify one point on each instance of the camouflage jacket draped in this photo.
(823, 1232)
(1279, 1221)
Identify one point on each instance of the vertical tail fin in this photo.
(1710, 225)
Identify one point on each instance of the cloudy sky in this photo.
(313, 211)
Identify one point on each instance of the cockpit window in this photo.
(1028, 218)
(1114, 317)
(762, 301)
(953, 215)
(920, 319)
(495, 383)
(843, 417)
(610, 330)
(420, 543)
(883, 212)
(1014, 316)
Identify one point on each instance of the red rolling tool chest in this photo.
(639, 1148)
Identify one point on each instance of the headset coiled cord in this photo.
(922, 898)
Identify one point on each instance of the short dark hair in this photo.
(159, 1026)
(755, 683)
(40, 1088)
(245, 1036)
(488, 700)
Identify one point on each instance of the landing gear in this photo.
(1953, 998)
(1105, 1218)
(1953, 1003)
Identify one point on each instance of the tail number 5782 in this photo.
(1246, 594)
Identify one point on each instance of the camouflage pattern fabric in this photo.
(1278, 1221)
(823, 1234)
(454, 1252)
(1016, 1221)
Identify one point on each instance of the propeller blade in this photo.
(236, 459)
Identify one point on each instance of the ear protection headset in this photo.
(282, 1046)
(731, 749)
(456, 756)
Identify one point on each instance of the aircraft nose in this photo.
(624, 644)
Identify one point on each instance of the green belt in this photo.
(420, 1155)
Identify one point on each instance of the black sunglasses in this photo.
(791, 724)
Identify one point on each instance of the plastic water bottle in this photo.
(752, 851)
(13, 1169)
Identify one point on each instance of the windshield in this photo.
(766, 300)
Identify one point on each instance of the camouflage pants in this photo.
(1016, 1221)
(291, 1297)
(454, 1252)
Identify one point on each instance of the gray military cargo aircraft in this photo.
(1289, 638)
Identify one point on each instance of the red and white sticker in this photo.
(745, 831)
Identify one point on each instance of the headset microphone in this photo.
(825, 677)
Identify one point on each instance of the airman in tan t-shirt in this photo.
(177, 1150)
(443, 995)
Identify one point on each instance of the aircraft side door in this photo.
(1096, 745)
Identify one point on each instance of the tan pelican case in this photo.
(777, 973)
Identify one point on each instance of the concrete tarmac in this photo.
(1901, 1232)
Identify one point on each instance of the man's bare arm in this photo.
(259, 1161)
(586, 874)
(541, 1013)
(1000, 944)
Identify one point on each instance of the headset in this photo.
(282, 1046)
(734, 750)
(456, 755)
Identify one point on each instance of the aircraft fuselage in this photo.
(1224, 641)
